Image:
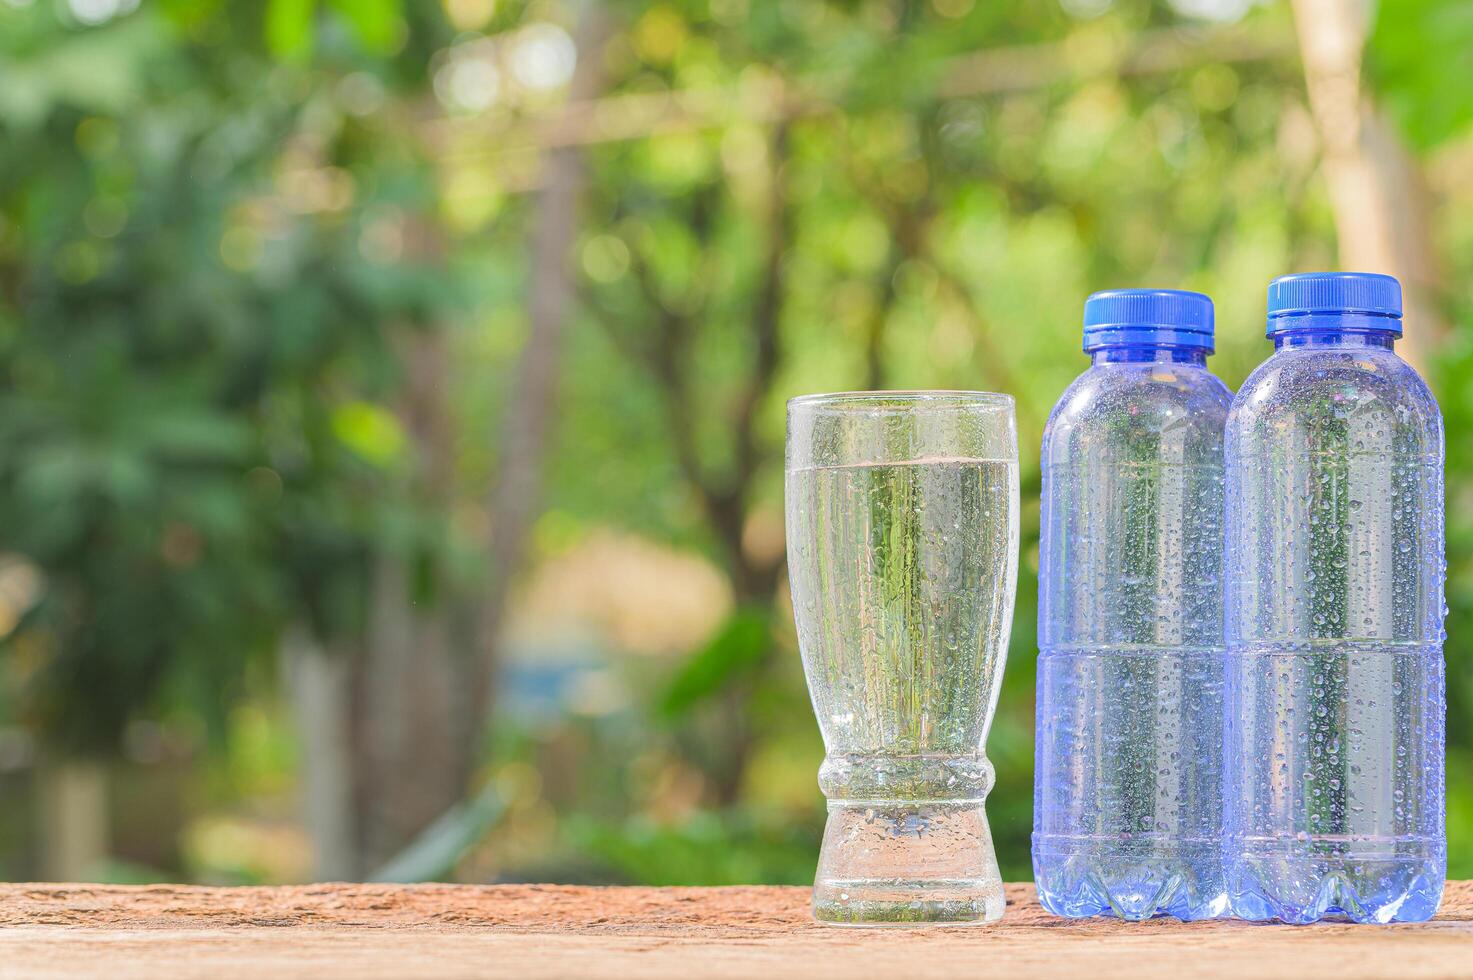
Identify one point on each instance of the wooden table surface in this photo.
(442, 931)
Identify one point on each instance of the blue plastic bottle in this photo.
(1127, 793)
(1334, 598)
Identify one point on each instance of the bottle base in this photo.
(1131, 880)
(907, 863)
(1304, 888)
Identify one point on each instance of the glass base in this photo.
(907, 863)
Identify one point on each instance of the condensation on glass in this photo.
(902, 529)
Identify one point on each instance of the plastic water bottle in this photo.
(1127, 794)
(1334, 599)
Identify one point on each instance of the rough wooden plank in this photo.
(452, 931)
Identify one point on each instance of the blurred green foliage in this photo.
(190, 451)
(221, 225)
(1417, 58)
(737, 647)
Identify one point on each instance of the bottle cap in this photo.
(1148, 318)
(1322, 300)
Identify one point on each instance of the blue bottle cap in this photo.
(1326, 300)
(1148, 317)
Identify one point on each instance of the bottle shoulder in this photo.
(1321, 388)
(1138, 409)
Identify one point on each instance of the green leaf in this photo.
(736, 649)
(376, 23)
(1418, 59)
(371, 431)
(289, 28)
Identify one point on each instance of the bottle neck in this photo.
(1335, 330)
(1148, 354)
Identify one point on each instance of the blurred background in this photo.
(391, 393)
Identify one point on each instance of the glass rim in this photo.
(904, 399)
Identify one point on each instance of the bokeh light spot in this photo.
(659, 35)
(469, 15)
(605, 258)
(543, 57)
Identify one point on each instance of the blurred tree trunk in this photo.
(516, 499)
(412, 760)
(417, 700)
(318, 682)
(754, 577)
(1377, 191)
(387, 743)
(73, 810)
(392, 732)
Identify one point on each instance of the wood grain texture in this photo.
(453, 931)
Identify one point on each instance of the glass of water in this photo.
(902, 524)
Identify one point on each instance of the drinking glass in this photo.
(902, 526)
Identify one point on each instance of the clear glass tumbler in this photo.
(902, 525)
